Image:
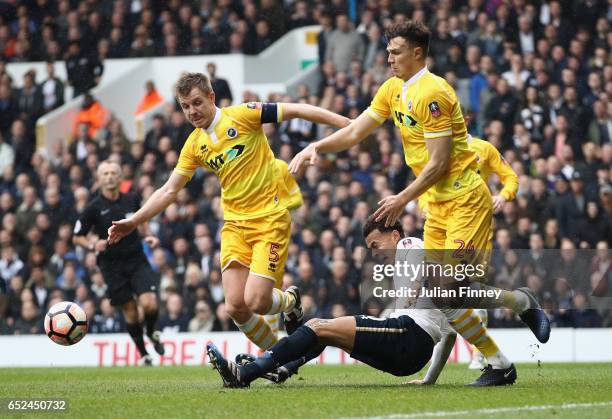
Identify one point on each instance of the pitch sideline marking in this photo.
(444, 413)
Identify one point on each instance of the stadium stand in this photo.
(535, 79)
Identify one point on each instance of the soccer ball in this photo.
(66, 323)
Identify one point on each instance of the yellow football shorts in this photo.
(460, 228)
(261, 244)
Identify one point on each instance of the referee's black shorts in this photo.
(127, 276)
(398, 345)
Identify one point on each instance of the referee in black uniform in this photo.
(124, 265)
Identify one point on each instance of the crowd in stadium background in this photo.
(537, 76)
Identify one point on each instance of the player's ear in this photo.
(417, 52)
(396, 235)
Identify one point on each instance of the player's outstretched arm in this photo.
(340, 140)
(159, 201)
(508, 178)
(438, 359)
(313, 114)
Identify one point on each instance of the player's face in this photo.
(402, 57)
(109, 176)
(383, 244)
(198, 107)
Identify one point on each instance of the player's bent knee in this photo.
(319, 326)
(258, 303)
(240, 313)
(148, 302)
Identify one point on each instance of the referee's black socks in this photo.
(150, 319)
(135, 331)
(298, 344)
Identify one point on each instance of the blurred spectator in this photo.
(220, 86)
(10, 264)
(108, 321)
(29, 100)
(583, 316)
(150, 99)
(344, 45)
(92, 114)
(84, 71)
(203, 320)
(52, 89)
(7, 155)
(29, 323)
(174, 320)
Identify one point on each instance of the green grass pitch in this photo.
(552, 390)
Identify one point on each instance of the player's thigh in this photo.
(270, 237)
(434, 234)
(143, 283)
(339, 332)
(468, 236)
(119, 290)
(395, 345)
(234, 247)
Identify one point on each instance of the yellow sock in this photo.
(258, 331)
(282, 302)
(274, 321)
(469, 325)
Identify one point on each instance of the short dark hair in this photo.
(188, 81)
(371, 224)
(416, 33)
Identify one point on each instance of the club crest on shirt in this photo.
(232, 132)
(434, 108)
(410, 106)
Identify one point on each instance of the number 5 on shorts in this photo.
(274, 256)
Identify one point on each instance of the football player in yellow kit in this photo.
(427, 112)
(257, 193)
(489, 161)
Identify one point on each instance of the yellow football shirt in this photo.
(236, 149)
(426, 107)
(490, 161)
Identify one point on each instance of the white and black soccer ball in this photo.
(66, 323)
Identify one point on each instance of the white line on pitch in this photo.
(447, 413)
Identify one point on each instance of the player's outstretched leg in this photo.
(523, 302)
(228, 370)
(301, 342)
(534, 317)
